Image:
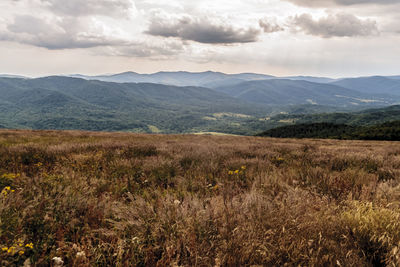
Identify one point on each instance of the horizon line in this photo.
(195, 72)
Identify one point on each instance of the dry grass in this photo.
(184, 200)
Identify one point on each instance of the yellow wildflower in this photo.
(230, 172)
(10, 176)
(4, 249)
(243, 167)
(7, 188)
(21, 252)
(11, 250)
(30, 245)
(237, 171)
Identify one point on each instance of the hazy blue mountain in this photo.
(371, 85)
(297, 92)
(210, 79)
(224, 82)
(251, 76)
(397, 77)
(183, 78)
(12, 76)
(180, 78)
(310, 79)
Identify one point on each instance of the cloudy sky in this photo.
(279, 37)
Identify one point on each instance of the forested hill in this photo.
(71, 103)
(387, 131)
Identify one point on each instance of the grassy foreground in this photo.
(84, 199)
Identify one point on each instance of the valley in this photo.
(184, 102)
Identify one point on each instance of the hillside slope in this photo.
(71, 103)
(360, 118)
(290, 92)
(371, 85)
(389, 131)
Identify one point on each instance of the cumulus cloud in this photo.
(89, 7)
(72, 33)
(338, 25)
(202, 30)
(324, 3)
(56, 34)
(270, 25)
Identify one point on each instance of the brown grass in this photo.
(183, 200)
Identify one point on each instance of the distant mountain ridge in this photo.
(13, 76)
(213, 79)
(180, 78)
(371, 85)
(298, 92)
(209, 79)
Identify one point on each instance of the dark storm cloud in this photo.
(202, 31)
(323, 3)
(339, 25)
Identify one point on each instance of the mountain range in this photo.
(184, 102)
(372, 85)
(71, 103)
(183, 78)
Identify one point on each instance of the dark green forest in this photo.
(389, 131)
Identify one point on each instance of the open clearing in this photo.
(123, 199)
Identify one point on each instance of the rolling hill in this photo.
(71, 103)
(377, 85)
(298, 92)
(372, 85)
(371, 124)
(389, 131)
(249, 107)
(360, 118)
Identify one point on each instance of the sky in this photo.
(332, 38)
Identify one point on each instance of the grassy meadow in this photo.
(116, 199)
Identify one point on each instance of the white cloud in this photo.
(338, 25)
(202, 30)
(225, 35)
(328, 3)
(270, 25)
(61, 33)
(112, 8)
